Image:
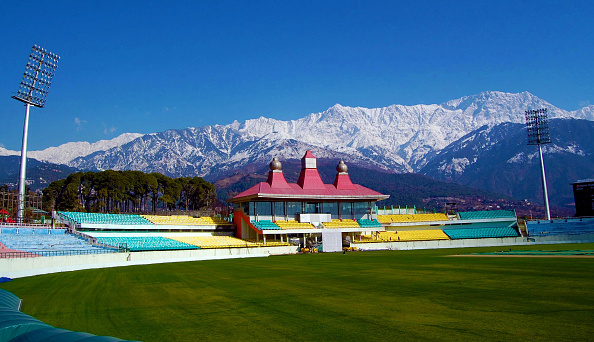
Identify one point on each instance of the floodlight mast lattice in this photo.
(537, 124)
(33, 90)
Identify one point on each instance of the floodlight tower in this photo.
(537, 124)
(33, 90)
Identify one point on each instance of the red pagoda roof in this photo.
(308, 154)
(309, 186)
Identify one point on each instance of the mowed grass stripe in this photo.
(383, 295)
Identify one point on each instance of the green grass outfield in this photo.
(379, 295)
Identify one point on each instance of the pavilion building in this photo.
(278, 208)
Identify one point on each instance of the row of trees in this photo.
(127, 191)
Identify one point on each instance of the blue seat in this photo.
(49, 244)
(570, 226)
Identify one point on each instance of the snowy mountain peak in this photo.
(586, 113)
(401, 138)
(66, 152)
(5, 152)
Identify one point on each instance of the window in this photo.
(311, 208)
(331, 208)
(361, 208)
(346, 209)
(264, 208)
(279, 210)
(293, 208)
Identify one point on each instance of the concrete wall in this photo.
(143, 227)
(510, 241)
(100, 234)
(25, 267)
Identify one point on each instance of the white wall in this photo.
(25, 267)
(510, 241)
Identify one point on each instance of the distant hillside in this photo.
(39, 174)
(498, 159)
(404, 189)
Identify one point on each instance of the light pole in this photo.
(537, 124)
(33, 90)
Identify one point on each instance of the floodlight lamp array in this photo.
(537, 124)
(37, 78)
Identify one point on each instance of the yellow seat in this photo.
(413, 235)
(294, 225)
(335, 223)
(211, 241)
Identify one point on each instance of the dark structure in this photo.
(33, 90)
(537, 126)
(583, 192)
(278, 208)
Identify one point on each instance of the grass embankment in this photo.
(383, 295)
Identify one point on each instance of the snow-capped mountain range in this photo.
(497, 158)
(64, 153)
(396, 138)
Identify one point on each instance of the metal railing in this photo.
(25, 225)
(55, 253)
(93, 240)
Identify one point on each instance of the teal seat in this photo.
(265, 225)
(480, 233)
(146, 243)
(486, 214)
(98, 218)
(367, 223)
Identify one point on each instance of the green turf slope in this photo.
(365, 296)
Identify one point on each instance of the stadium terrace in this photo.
(307, 207)
(270, 218)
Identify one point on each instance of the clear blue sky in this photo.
(148, 66)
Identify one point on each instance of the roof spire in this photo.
(276, 179)
(309, 178)
(342, 181)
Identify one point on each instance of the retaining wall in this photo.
(489, 242)
(25, 267)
